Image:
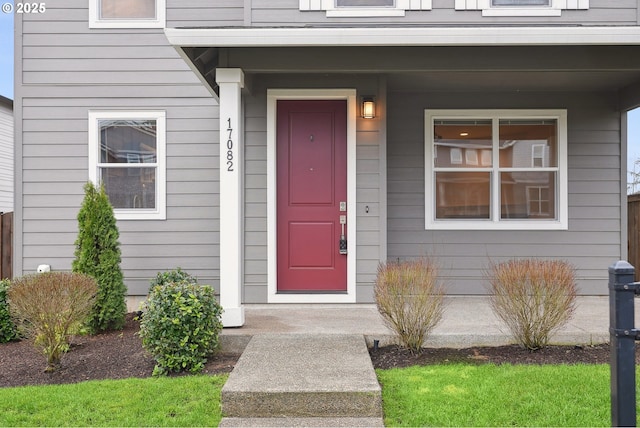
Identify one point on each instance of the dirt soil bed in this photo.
(392, 356)
(119, 355)
(113, 355)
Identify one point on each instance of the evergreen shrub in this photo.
(181, 326)
(97, 254)
(175, 275)
(8, 330)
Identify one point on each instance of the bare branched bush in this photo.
(50, 307)
(533, 297)
(410, 299)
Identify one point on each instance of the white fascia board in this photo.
(461, 36)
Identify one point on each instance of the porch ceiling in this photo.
(482, 81)
(446, 68)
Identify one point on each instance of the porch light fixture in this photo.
(368, 108)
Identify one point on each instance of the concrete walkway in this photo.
(302, 379)
(308, 365)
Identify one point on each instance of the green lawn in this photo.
(438, 395)
(174, 401)
(490, 395)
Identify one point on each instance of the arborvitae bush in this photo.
(98, 254)
(410, 299)
(533, 297)
(50, 307)
(8, 330)
(181, 325)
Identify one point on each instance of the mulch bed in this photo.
(119, 355)
(112, 355)
(393, 356)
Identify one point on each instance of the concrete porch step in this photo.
(303, 376)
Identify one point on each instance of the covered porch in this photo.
(590, 72)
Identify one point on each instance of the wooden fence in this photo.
(6, 245)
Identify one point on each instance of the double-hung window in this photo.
(127, 13)
(496, 169)
(127, 155)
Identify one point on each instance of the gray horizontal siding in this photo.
(68, 70)
(593, 239)
(601, 12)
(66, 18)
(199, 13)
(285, 13)
(189, 238)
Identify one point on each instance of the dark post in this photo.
(623, 347)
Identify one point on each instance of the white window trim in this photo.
(160, 212)
(561, 194)
(96, 22)
(556, 8)
(332, 11)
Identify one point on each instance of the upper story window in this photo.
(521, 3)
(491, 170)
(521, 7)
(127, 13)
(127, 155)
(364, 8)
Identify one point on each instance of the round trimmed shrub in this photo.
(181, 326)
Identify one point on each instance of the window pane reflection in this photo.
(528, 144)
(462, 143)
(130, 187)
(127, 9)
(127, 141)
(527, 195)
(463, 195)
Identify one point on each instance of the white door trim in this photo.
(273, 95)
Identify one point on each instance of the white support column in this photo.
(231, 81)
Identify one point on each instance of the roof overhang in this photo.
(405, 36)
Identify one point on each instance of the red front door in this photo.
(312, 182)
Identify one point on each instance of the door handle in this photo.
(343, 240)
